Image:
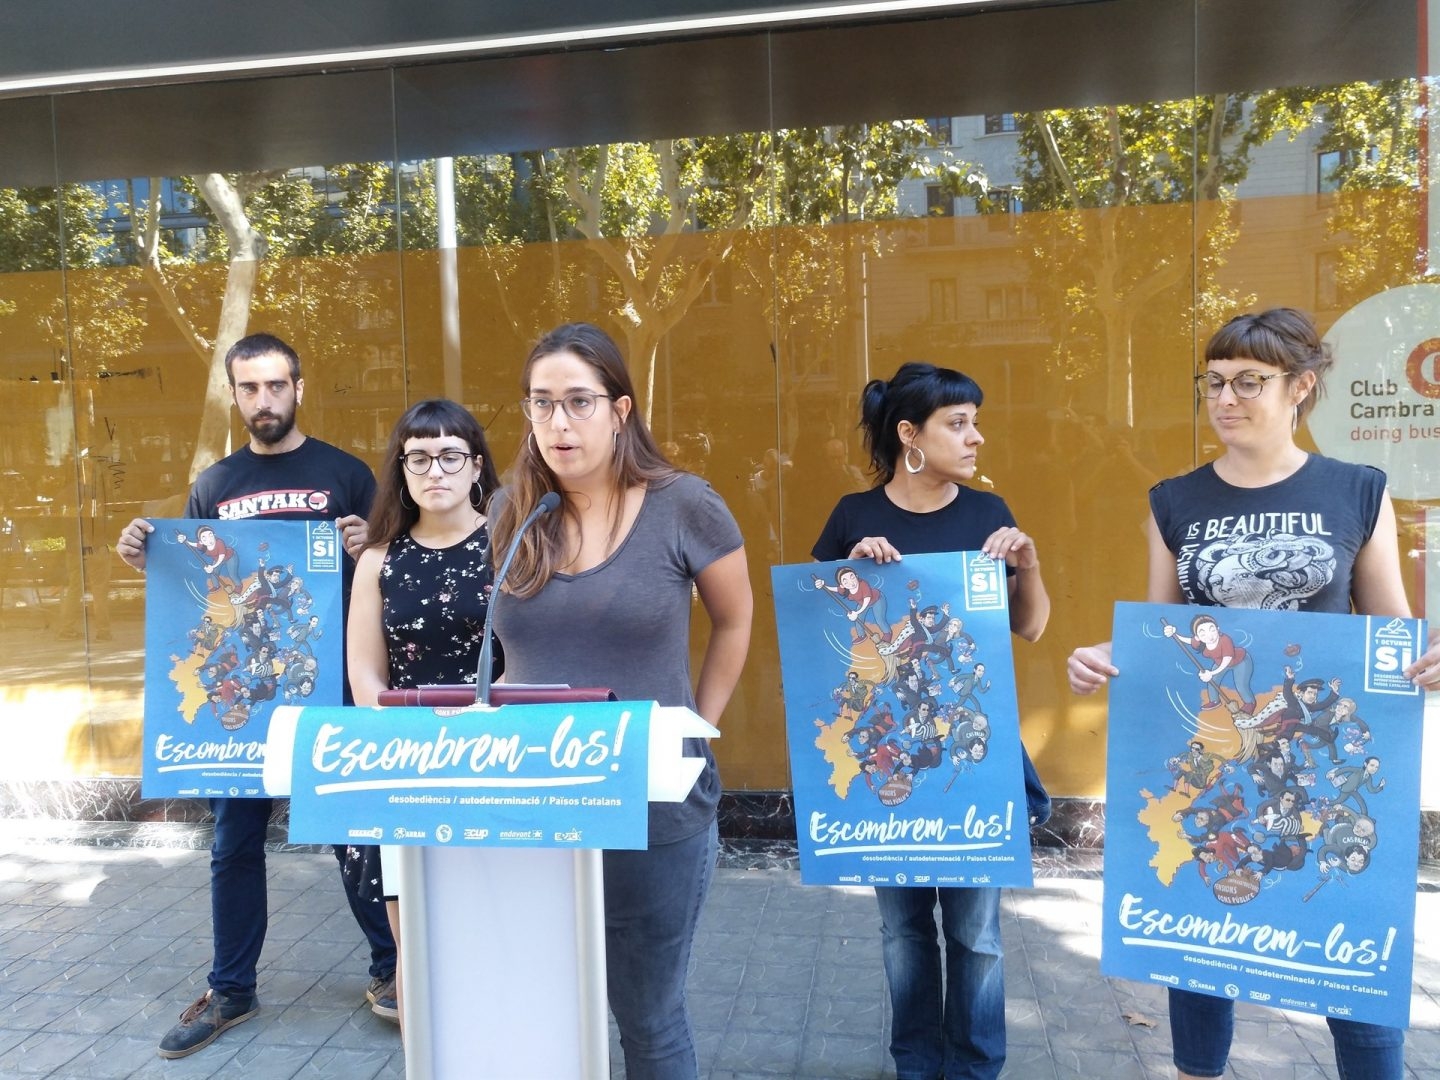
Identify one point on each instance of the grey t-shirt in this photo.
(625, 624)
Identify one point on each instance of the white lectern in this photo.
(502, 940)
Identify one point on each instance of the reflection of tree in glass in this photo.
(663, 217)
(259, 227)
(846, 179)
(1368, 154)
(41, 230)
(1097, 166)
(215, 251)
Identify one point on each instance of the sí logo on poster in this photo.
(983, 582)
(323, 550)
(1391, 649)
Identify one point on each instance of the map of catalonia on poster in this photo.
(902, 723)
(240, 616)
(1263, 807)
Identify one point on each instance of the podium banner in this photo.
(240, 617)
(554, 775)
(1263, 799)
(902, 722)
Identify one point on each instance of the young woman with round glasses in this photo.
(422, 585)
(1263, 373)
(579, 405)
(600, 594)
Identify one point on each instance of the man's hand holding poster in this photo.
(240, 616)
(902, 722)
(1263, 795)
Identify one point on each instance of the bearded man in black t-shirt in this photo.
(282, 475)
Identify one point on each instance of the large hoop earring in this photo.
(534, 449)
(477, 496)
(411, 504)
(615, 443)
(1294, 418)
(913, 449)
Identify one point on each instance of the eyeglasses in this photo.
(580, 406)
(419, 462)
(1247, 384)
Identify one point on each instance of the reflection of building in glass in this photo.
(1006, 298)
(181, 219)
(765, 220)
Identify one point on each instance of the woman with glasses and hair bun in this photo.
(599, 594)
(1263, 373)
(924, 439)
(422, 587)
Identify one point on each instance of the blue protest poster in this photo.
(555, 775)
(1263, 806)
(903, 727)
(240, 616)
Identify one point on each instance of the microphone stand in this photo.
(548, 502)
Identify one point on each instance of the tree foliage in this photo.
(1369, 136)
(660, 218)
(44, 230)
(1098, 169)
(637, 230)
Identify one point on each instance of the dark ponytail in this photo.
(913, 393)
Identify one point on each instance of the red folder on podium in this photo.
(459, 695)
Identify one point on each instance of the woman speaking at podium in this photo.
(599, 594)
(422, 586)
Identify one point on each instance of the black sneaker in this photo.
(381, 995)
(202, 1023)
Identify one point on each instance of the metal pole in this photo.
(449, 276)
(415, 964)
(1430, 131)
(590, 959)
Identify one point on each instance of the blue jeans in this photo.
(956, 1031)
(1037, 799)
(652, 903)
(238, 906)
(1202, 1026)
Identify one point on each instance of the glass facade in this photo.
(764, 222)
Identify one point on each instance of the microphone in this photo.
(548, 502)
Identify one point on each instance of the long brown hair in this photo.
(638, 460)
(390, 517)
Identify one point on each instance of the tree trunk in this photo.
(1119, 367)
(641, 345)
(246, 245)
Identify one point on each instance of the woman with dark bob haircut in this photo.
(599, 594)
(922, 431)
(1262, 375)
(422, 587)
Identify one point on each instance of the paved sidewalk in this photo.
(101, 948)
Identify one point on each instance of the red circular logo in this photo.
(1422, 368)
(318, 500)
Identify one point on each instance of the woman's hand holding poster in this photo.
(1262, 807)
(903, 728)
